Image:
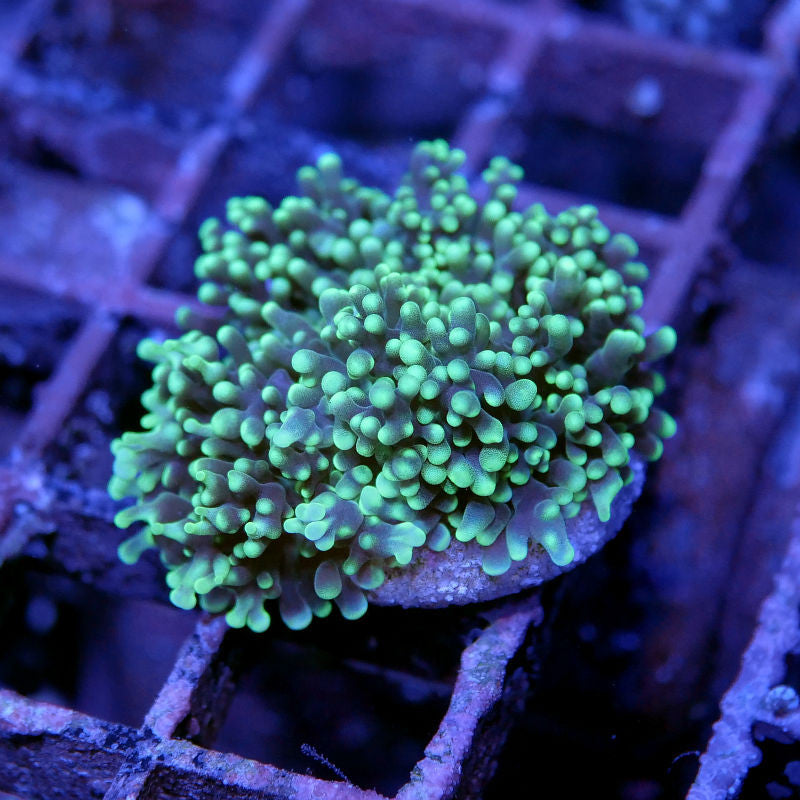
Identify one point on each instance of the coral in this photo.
(386, 373)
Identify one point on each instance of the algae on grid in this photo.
(385, 373)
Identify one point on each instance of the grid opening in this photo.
(333, 686)
(109, 406)
(77, 647)
(35, 329)
(631, 172)
(770, 230)
(361, 69)
(732, 24)
(573, 713)
(173, 54)
(651, 120)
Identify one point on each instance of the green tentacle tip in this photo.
(378, 373)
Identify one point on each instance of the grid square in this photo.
(35, 329)
(767, 228)
(609, 122)
(115, 653)
(81, 454)
(333, 687)
(173, 54)
(727, 24)
(376, 71)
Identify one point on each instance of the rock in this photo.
(455, 577)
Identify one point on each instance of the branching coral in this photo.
(390, 372)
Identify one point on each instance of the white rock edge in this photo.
(455, 577)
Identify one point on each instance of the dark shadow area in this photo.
(777, 776)
(792, 676)
(318, 700)
(557, 152)
(173, 54)
(768, 215)
(734, 23)
(374, 74)
(35, 330)
(110, 405)
(628, 128)
(71, 645)
(586, 705)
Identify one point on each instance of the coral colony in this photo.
(389, 372)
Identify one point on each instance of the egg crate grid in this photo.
(761, 704)
(103, 238)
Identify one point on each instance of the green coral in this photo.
(388, 372)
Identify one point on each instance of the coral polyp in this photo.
(387, 373)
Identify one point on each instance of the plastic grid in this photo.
(545, 51)
(746, 705)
